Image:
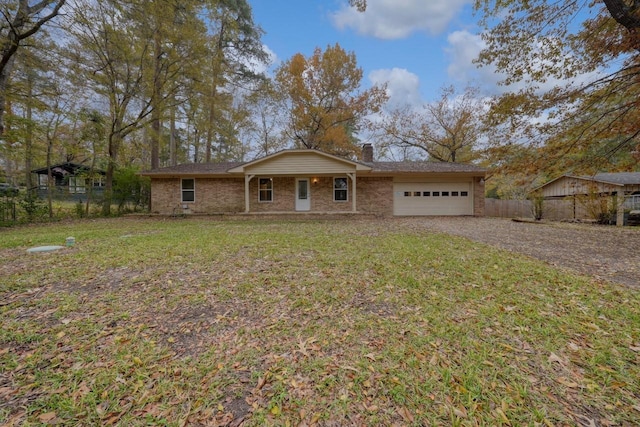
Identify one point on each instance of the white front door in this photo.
(303, 201)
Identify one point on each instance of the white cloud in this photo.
(396, 19)
(403, 87)
(464, 47)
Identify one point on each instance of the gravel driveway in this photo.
(603, 252)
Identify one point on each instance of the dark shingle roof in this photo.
(195, 169)
(377, 167)
(431, 167)
(623, 178)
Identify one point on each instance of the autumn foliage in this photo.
(325, 105)
(571, 73)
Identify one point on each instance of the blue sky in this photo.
(417, 46)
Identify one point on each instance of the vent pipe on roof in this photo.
(367, 153)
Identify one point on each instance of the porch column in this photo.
(353, 191)
(620, 208)
(247, 198)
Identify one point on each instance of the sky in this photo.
(416, 46)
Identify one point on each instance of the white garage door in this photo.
(415, 198)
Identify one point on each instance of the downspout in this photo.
(247, 199)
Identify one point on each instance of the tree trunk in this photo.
(28, 141)
(114, 146)
(173, 141)
(155, 102)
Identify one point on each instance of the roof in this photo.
(66, 168)
(195, 169)
(235, 168)
(304, 154)
(621, 178)
(426, 167)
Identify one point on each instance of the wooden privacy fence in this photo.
(554, 210)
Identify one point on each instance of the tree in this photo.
(265, 106)
(177, 38)
(361, 5)
(234, 45)
(572, 78)
(111, 56)
(325, 105)
(448, 130)
(20, 20)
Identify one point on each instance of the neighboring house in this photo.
(624, 185)
(313, 181)
(71, 181)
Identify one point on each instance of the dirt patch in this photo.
(603, 252)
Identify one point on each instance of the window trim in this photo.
(345, 189)
(268, 190)
(187, 190)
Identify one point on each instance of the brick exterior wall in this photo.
(212, 195)
(375, 195)
(283, 196)
(226, 195)
(322, 196)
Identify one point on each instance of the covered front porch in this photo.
(300, 181)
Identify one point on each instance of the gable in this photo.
(572, 185)
(300, 162)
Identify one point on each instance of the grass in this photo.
(335, 322)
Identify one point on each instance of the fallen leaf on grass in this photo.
(567, 382)
(45, 418)
(555, 358)
(460, 412)
(405, 414)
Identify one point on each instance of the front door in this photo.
(303, 201)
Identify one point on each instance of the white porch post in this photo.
(353, 191)
(247, 199)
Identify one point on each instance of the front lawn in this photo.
(304, 322)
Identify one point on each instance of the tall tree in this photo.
(265, 106)
(325, 104)
(235, 43)
(448, 130)
(576, 66)
(111, 55)
(20, 20)
(178, 42)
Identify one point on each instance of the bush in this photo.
(537, 205)
(130, 189)
(34, 208)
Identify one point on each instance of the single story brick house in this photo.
(313, 181)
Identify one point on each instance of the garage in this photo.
(432, 198)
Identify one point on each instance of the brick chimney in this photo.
(367, 153)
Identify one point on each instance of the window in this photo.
(426, 193)
(43, 181)
(454, 194)
(436, 194)
(340, 189)
(265, 190)
(188, 190)
(464, 193)
(407, 194)
(416, 193)
(445, 194)
(76, 185)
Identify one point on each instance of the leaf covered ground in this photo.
(207, 322)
